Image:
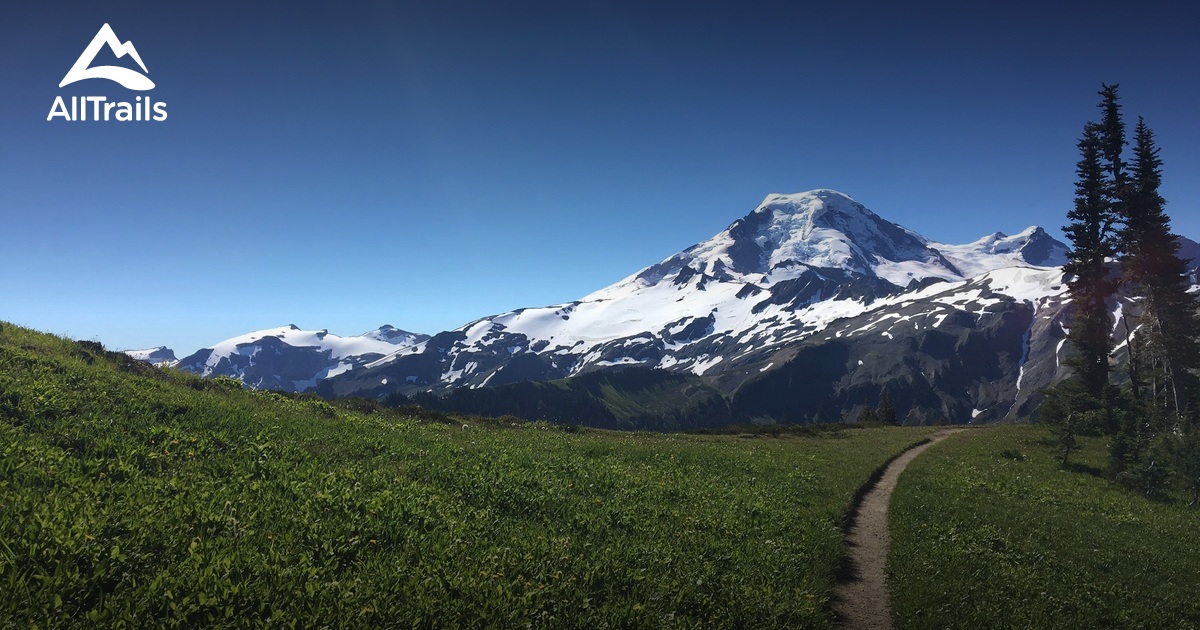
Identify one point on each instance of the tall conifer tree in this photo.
(1165, 352)
(1158, 276)
(1090, 232)
(1111, 136)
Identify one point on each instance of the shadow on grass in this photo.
(837, 430)
(847, 569)
(1077, 467)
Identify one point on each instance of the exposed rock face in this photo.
(968, 354)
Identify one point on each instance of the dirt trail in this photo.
(862, 599)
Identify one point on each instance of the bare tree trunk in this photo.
(1134, 384)
(1174, 393)
(1153, 383)
(1168, 370)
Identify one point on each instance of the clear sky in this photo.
(344, 165)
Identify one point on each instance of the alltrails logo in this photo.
(99, 107)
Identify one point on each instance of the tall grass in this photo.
(990, 532)
(133, 497)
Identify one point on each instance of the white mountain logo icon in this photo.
(129, 78)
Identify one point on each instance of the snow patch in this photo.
(620, 361)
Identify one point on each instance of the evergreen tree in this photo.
(1091, 234)
(1111, 136)
(1071, 411)
(1158, 277)
(1154, 433)
(887, 411)
(1143, 216)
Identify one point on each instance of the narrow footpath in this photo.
(862, 599)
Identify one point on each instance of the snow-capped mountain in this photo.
(787, 235)
(294, 360)
(1030, 247)
(808, 308)
(738, 306)
(161, 355)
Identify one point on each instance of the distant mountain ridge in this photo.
(161, 355)
(293, 360)
(801, 286)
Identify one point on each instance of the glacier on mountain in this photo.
(807, 308)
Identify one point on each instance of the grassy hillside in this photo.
(990, 532)
(130, 495)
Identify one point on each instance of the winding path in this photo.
(862, 598)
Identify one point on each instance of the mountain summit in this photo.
(826, 229)
(787, 235)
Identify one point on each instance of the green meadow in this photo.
(989, 531)
(131, 497)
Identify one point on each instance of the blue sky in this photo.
(346, 165)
